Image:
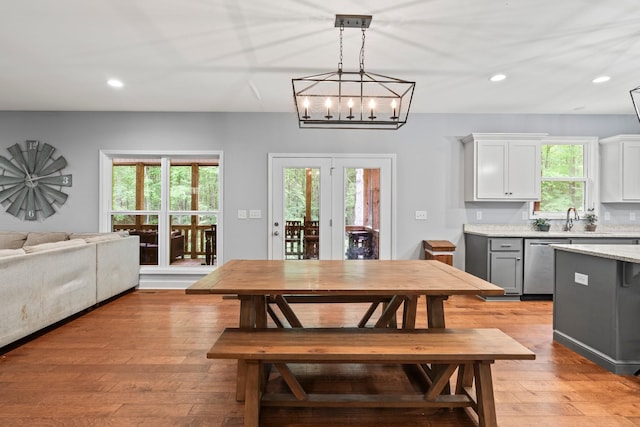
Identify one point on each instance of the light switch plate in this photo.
(255, 213)
(242, 214)
(632, 216)
(479, 215)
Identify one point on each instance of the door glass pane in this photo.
(362, 213)
(193, 240)
(301, 213)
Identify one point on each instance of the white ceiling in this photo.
(225, 55)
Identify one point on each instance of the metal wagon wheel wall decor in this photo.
(32, 181)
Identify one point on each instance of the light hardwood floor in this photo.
(140, 361)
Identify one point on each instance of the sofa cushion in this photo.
(11, 252)
(54, 245)
(103, 237)
(35, 238)
(12, 239)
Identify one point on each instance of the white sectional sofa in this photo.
(47, 277)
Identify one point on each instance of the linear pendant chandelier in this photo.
(352, 99)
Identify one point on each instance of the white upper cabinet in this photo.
(502, 167)
(620, 169)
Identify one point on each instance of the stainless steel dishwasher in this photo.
(539, 266)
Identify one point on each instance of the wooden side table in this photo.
(441, 250)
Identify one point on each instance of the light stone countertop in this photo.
(627, 253)
(527, 231)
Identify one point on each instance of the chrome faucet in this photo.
(569, 224)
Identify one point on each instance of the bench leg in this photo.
(252, 395)
(484, 394)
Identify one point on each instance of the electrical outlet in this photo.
(581, 279)
(607, 216)
(525, 216)
(632, 216)
(255, 214)
(242, 214)
(421, 215)
(479, 215)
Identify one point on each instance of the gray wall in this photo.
(429, 161)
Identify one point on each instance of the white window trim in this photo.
(105, 203)
(591, 173)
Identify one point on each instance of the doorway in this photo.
(331, 207)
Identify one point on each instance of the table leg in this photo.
(260, 306)
(389, 312)
(435, 310)
(409, 312)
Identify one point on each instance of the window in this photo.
(172, 201)
(566, 176)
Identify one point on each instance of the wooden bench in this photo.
(434, 355)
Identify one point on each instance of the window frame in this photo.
(106, 207)
(590, 174)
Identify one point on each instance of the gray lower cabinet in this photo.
(497, 260)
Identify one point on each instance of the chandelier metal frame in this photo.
(352, 99)
(635, 98)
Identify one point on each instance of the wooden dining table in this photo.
(257, 282)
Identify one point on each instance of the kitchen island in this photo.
(596, 310)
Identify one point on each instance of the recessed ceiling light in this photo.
(497, 77)
(601, 79)
(115, 83)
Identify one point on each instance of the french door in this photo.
(331, 207)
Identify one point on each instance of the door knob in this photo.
(275, 224)
(276, 233)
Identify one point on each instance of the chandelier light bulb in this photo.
(327, 104)
(394, 104)
(350, 104)
(372, 105)
(306, 108)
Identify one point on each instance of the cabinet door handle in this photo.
(517, 259)
(505, 245)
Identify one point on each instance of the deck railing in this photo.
(195, 245)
